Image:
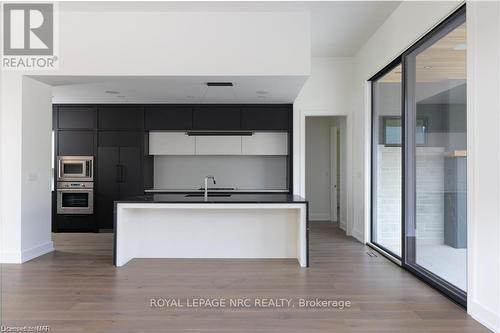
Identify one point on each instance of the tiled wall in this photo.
(430, 195)
(389, 197)
(430, 199)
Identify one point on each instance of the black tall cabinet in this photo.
(120, 177)
(120, 159)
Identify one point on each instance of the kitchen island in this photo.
(225, 225)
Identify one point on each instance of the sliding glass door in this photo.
(436, 220)
(419, 158)
(387, 156)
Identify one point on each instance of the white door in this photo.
(333, 174)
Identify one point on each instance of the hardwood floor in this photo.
(76, 289)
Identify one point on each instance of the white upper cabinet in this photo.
(178, 143)
(218, 145)
(265, 144)
(171, 143)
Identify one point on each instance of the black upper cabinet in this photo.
(120, 139)
(75, 143)
(216, 117)
(168, 117)
(257, 117)
(77, 117)
(121, 117)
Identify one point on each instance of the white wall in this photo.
(483, 162)
(36, 202)
(327, 92)
(26, 169)
(10, 159)
(138, 39)
(135, 40)
(408, 22)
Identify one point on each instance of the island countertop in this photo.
(263, 198)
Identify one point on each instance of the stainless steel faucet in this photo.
(206, 185)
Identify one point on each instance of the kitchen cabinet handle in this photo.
(122, 173)
(119, 173)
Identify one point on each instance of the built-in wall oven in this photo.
(75, 168)
(75, 198)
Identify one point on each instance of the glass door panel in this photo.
(437, 131)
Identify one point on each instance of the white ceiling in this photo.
(338, 28)
(173, 89)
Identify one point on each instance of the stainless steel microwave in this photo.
(75, 168)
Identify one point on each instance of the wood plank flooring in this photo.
(76, 289)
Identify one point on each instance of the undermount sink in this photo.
(210, 195)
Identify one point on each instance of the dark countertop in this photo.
(216, 198)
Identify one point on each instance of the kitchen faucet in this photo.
(206, 185)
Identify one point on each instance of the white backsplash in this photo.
(241, 172)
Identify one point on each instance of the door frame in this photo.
(300, 161)
(333, 174)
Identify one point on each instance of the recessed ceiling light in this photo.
(113, 92)
(262, 92)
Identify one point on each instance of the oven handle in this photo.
(67, 190)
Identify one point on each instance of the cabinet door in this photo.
(121, 139)
(75, 143)
(265, 144)
(171, 143)
(107, 190)
(121, 117)
(257, 117)
(218, 145)
(168, 117)
(76, 117)
(131, 178)
(219, 117)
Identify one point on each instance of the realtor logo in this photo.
(28, 36)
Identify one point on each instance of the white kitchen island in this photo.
(239, 226)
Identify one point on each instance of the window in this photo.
(392, 131)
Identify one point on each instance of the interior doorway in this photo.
(325, 168)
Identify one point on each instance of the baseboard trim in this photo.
(484, 316)
(37, 251)
(358, 235)
(343, 225)
(319, 217)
